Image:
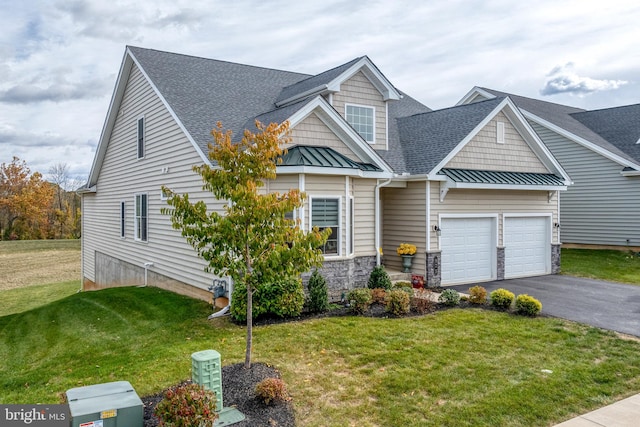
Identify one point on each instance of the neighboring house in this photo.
(600, 150)
(473, 187)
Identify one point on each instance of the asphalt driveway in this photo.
(607, 305)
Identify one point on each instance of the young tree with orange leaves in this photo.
(25, 200)
(252, 241)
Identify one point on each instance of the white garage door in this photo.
(527, 246)
(467, 250)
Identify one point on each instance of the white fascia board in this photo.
(630, 173)
(339, 126)
(581, 141)
(468, 138)
(87, 190)
(534, 141)
(473, 93)
(378, 79)
(318, 170)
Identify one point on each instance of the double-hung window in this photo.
(140, 137)
(141, 223)
(325, 213)
(361, 118)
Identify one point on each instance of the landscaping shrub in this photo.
(379, 278)
(378, 295)
(282, 299)
(360, 300)
(398, 302)
(502, 299)
(403, 285)
(421, 301)
(318, 294)
(272, 390)
(528, 305)
(186, 406)
(449, 297)
(477, 295)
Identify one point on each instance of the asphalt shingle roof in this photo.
(567, 118)
(429, 137)
(204, 91)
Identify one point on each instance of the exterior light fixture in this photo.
(437, 229)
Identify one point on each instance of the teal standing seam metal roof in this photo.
(304, 155)
(470, 176)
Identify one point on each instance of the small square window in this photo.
(361, 119)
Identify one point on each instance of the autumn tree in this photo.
(64, 215)
(25, 199)
(252, 241)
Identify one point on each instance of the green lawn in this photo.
(457, 367)
(616, 266)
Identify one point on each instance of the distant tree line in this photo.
(33, 208)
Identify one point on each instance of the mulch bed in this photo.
(238, 390)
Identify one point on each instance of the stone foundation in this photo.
(343, 275)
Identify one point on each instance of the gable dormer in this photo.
(358, 91)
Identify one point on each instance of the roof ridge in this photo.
(221, 61)
(457, 106)
(509, 94)
(605, 109)
(326, 71)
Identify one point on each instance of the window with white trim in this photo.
(361, 118)
(325, 213)
(141, 220)
(123, 213)
(140, 137)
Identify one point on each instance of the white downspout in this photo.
(147, 265)
(379, 185)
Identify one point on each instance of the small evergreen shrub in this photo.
(449, 297)
(477, 295)
(421, 302)
(402, 285)
(379, 278)
(186, 406)
(378, 295)
(360, 300)
(397, 302)
(528, 305)
(272, 390)
(282, 299)
(502, 299)
(318, 294)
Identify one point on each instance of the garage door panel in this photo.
(467, 246)
(526, 242)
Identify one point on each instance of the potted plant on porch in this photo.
(406, 251)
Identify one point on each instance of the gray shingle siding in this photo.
(602, 206)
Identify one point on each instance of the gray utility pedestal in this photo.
(113, 404)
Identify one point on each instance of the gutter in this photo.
(379, 185)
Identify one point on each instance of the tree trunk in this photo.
(247, 353)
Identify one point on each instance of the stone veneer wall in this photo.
(433, 274)
(555, 258)
(500, 262)
(343, 275)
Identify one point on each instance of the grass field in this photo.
(38, 262)
(616, 266)
(456, 367)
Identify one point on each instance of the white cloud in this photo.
(563, 79)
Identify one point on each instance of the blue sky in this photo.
(59, 59)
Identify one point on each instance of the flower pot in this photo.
(406, 263)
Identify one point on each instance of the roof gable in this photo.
(330, 81)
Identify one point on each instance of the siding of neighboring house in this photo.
(312, 131)
(483, 152)
(466, 201)
(602, 206)
(404, 221)
(123, 175)
(358, 90)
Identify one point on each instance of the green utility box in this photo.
(206, 370)
(113, 404)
